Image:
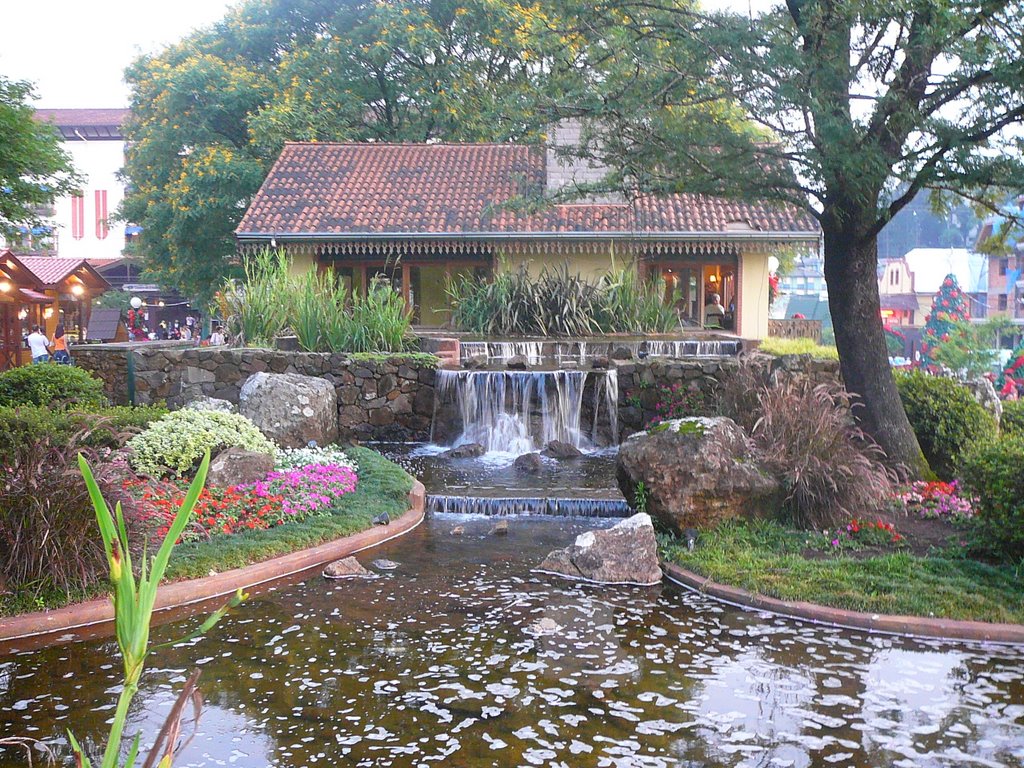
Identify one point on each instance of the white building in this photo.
(82, 224)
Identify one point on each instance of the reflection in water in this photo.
(439, 662)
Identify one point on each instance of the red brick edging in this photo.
(913, 626)
(184, 593)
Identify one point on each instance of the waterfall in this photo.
(514, 412)
(606, 392)
(505, 506)
(690, 348)
(533, 351)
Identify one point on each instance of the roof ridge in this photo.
(417, 144)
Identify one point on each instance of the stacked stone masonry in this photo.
(386, 399)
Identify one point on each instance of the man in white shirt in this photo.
(38, 343)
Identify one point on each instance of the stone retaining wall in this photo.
(382, 399)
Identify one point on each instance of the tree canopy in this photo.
(34, 169)
(210, 113)
(849, 108)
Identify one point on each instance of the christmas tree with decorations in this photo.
(941, 325)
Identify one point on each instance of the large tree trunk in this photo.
(851, 263)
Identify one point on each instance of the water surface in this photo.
(439, 663)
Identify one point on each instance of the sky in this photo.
(76, 52)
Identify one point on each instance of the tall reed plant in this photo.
(134, 599)
(257, 307)
(559, 303)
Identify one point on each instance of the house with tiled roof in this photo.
(422, 213)
(42, 290)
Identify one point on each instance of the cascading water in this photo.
(533, 351)
(514, 412)
(526, 505)
(606, 393)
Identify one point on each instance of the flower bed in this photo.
(306, 482)
(938, 500)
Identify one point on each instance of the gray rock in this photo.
(621, 353)
(500, 528)
(291, 409)
(626, 553)
(985, 393)
(458, 530)
(696, 473)
(557, 449)
(384, 564)
(474, 362)
(528, 463)
(466, 451)
(348, 568)
(518, 363)
(599, 363)
(382, 519)
(204, 403)
(237, 466)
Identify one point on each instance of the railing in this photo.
(795, 328)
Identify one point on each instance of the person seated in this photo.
(714, 312)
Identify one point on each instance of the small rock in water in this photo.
(458, 530)
(465, 451)
(382, 519)
(599, 363)
(544, 627)
(518, 363)
(348, 568)
(384, 564)
(500, 528)
(558, 449)
(529, 463)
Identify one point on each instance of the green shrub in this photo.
(53, 386)
(993, 472)
(946, 419)
(178, 441)
(101, 428)
(1012, 422)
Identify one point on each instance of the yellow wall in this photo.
(300, 264)
(433, 301)
(753, 321)
(590, 265)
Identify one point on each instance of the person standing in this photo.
(38, 344)
(60, 346)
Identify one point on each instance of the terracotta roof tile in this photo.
(51, 270)
(87, 124)
(448, 189)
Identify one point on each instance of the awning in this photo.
(900, 301)
(34, 297)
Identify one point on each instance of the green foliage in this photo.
(35, 169)
(257, 307)
(211, 112)
(178, 441)
(992, 471)
(417, 359)
(779, 347)
(100, 428)
(946, 419)
(316, 307)
(50, 385)
(559, 303)
(765, 558)
(1012, 422)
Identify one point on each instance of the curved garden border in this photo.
(911, 626)
(922, 627)
(184, 593)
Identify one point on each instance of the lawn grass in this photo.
(764, 558)
(779, 347)
(383, 487)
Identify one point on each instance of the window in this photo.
(1004, 264)
(1002, 301)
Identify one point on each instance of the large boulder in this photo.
(528, 464)
(291, 409)
(237, 466)
(626, 553)
(465, 451)
(558, 449)
(696, 473)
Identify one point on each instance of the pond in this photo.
(443, 661)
